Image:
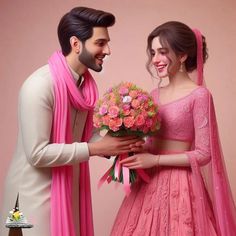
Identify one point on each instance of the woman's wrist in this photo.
(157, 160)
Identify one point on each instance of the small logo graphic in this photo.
(16, 219)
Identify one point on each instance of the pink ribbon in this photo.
(105, 177)
(126, 180)
(118, 168)
(126, 174)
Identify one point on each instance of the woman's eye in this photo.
(152, 53)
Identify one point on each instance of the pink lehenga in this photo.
(183, 201)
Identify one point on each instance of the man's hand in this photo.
(112, 146)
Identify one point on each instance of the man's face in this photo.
(95, 49)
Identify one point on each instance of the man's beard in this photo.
(88, 60)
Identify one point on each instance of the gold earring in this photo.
(181, 68)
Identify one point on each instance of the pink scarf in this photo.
(66, 94)
(198, 36)
(216, 176)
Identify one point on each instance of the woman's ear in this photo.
(183, 58)
(75, 44)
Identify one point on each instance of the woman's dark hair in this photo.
(181, 39)
(79, 22)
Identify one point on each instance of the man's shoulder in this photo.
(40, 78)
(42, 74)
(39, 83)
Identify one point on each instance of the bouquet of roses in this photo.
(126, 110)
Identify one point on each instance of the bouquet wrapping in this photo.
(126, 110)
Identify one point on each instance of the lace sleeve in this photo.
(201, 147)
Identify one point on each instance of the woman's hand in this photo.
(112, 146)
(141, 161)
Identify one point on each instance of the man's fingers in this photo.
(140, 143)
(128, 160)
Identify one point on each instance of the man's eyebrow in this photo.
(102, 40)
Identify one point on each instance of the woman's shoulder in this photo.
(201, 91)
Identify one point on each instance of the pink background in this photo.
(28, 37)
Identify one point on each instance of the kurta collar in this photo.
(76, 76)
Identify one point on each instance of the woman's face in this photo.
(165, 61)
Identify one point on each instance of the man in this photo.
(49, 169)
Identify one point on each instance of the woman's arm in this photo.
(202, 141)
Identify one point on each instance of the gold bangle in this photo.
(158, 159)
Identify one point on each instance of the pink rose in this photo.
(135, 103)
(133, 93)
(118, 121)
(113, 111)
(144, 113)
(143, 98)
(126, 109)
(123, 90)
(103, 110)
(132, 112)
(126, 112)
(106, 120)
(115, 124)
(148, 122)
(129, 121)
(145, 106)
(97, 121)
(140, 120)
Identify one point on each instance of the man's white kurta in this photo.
(30, 169)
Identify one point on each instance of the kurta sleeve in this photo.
(35, 121)
(201, 148)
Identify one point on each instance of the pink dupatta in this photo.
(66, 94)
(216, 180)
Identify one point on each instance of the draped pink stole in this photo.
(219, 189)
(66, 93)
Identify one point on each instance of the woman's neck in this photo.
(179, 79)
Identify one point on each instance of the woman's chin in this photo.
(162, 76)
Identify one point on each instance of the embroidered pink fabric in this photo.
(192, 118)
(66, 93)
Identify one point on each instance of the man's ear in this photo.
(75, 44)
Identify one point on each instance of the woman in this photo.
(180, 199)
